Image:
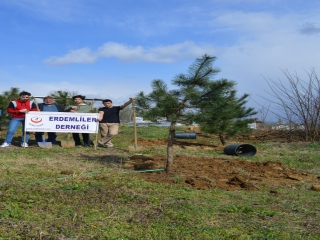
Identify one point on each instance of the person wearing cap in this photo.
(109, 121)
(48, 105)
(80, 106)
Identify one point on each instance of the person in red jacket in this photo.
(18, 110)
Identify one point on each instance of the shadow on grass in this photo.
(110, 159)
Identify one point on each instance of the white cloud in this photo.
(82, 55)
(125, 53)
(264, 44)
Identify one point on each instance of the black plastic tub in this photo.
(242, 150)
(185, 135)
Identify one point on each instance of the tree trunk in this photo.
(169, 148)
(222, 139)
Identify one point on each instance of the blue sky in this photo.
(114, 49)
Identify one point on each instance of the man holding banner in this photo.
(18, 110)
(48, 105)
(80, 107)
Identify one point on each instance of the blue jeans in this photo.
(51, 137)
(13, 125)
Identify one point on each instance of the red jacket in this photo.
(15, 106)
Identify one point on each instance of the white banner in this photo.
(61, 122)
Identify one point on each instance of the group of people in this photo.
(109, 119)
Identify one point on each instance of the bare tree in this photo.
(298, 101)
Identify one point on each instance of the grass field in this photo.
(82, 193)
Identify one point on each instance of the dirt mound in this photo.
(205, 173)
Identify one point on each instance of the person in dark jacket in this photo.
(18, 110)
(48, 105)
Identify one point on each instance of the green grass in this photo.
(83, 193)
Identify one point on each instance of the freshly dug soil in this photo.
(214, 173)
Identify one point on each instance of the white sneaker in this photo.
(5, 145)
(24, 145)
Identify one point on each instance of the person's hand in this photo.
(24, 110)
(99, 119)
(73, 109)
(131, 99)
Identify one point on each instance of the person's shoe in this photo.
(79, 145)
(87, 145)
(99, 145)
(24, 145)
(5, 145)
(110, 148)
